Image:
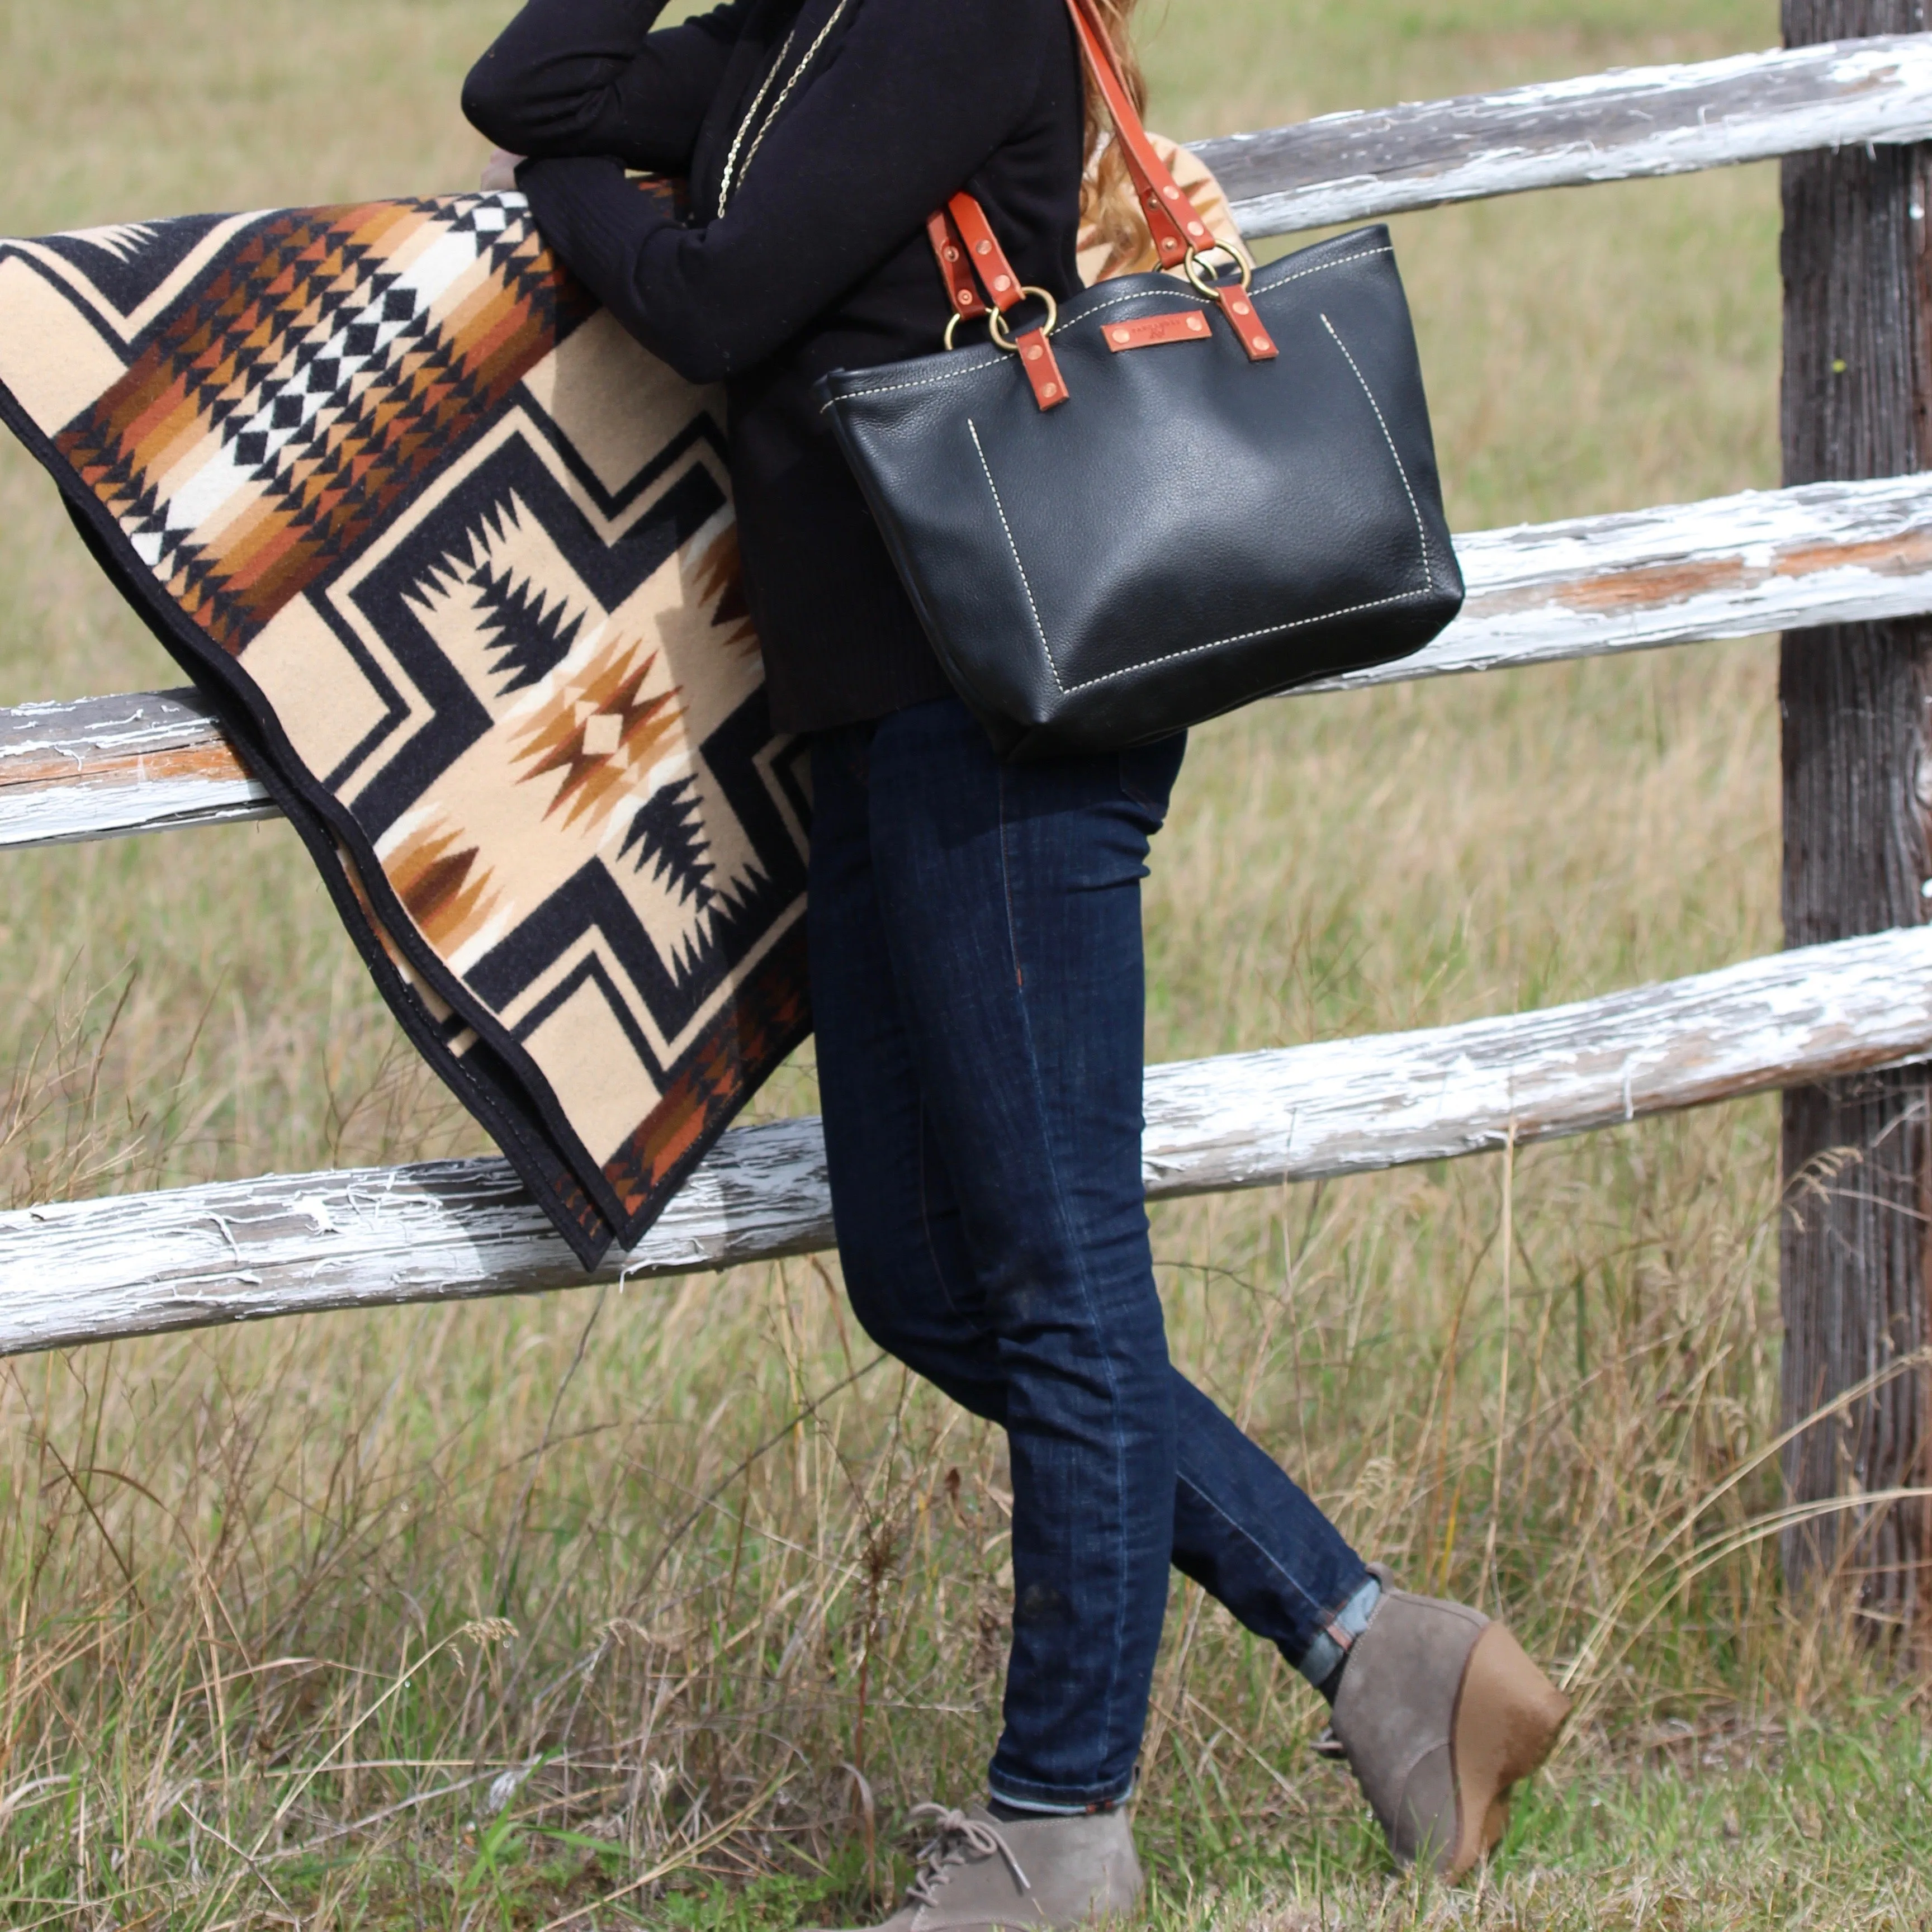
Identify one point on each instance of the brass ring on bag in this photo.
(1003, 335)
(958, 316)
(1211, 285)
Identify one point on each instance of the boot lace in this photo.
(956, 1839)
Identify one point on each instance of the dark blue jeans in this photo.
(978, 987)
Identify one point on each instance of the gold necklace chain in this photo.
(735, 171)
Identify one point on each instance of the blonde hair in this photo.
(1108, 203)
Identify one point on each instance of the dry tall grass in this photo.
(466, 1617)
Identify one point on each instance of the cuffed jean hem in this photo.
(1025, 1797)
(1334, 1641)
(1060, 1810)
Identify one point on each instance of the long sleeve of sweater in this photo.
(575, 77)
(902, 110)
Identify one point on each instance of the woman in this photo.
(975, 929)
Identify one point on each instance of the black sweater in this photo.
(819, 260)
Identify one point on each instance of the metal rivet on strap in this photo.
(1242, 308)
(1196, 323)
(1034, 353)
(1123, 335)
(1194, 228)
(1050, 389)
(1003, 283)
(952, 254)
(1260, 342)
(984, 248)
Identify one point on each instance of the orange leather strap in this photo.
(966, 218)
(1247, 321)
(1177, 228)
(1042, 369)
(948, 249)
(982, 247)
(1173, 220)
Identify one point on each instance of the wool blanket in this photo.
(454, 559)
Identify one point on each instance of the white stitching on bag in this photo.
(1025, 583)
(1241, 637)
(1401, 469)
(927, 382)
(1353, 610)
(1194, 294)
(1192, 650)
(1139, 294)
(1320, 267)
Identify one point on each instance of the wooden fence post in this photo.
(1858, 795)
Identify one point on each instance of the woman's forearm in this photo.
(569, 77)
(598, 221)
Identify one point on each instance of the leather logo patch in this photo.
(1188, 325)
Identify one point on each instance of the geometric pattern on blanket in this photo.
(455, 558)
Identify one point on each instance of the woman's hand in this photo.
(499, 171)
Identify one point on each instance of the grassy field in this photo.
(472, 1617)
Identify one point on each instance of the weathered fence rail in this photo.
(461, 1230)
(1626, 126)
(102, 767)
(1737, 566)
(1844, 567)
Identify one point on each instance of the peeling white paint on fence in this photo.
(1731, 567)
(459, 1230)
(1621, 126)
(1735, 566)
(101, 767)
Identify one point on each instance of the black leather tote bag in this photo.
(1166, 499)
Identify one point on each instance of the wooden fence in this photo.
(1822, 557)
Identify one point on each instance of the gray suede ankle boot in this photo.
(977, 1874)
(1440, 1712)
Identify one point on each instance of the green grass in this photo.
(283, 1606)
